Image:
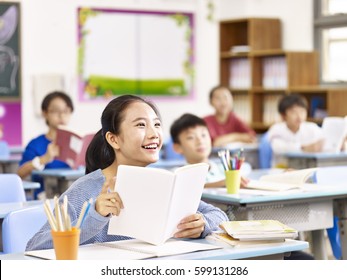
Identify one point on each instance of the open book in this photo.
(129, 250)
(283, 181)
(72, 146)
(156, 200)
(258, 230)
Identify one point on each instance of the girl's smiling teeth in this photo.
(151, 146)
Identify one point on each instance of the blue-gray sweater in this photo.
(94, 228)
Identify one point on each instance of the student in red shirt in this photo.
(224, 126)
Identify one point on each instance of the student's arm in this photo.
(202, 223)
(213, 216)
(26, 169)
(280, 145)
(225, 139)
(314, 147)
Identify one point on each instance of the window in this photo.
(330, 27)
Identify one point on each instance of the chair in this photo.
(169, 152)
(4, 149)
(265, 151)
(19, 226)
(11, 188)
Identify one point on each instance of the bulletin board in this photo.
(11, 123)
(134, 52)
(9, 50)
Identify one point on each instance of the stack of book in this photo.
(256, 232)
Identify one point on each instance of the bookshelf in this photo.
(259, 73)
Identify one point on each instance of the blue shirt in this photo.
(38, 147)
(95, 226)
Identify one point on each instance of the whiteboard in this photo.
(143, 53)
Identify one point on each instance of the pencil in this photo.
(49, 217)
(79, 221)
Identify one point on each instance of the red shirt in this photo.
(233, 124)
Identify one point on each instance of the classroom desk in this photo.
(28, 185)
(9, 164)
(16, 150)
(57, 181)
(302, 160)
(250, 152)
(269, 251)
(6, 208)
(304, 211)
(29, 188)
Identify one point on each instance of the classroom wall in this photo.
(49, 46)
(296, 17)
(49, 37)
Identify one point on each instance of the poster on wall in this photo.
(134, 52)
(10, 123)
(9, 50)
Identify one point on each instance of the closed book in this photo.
(227, 240)
(258, 230)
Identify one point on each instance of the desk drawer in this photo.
(303, 216)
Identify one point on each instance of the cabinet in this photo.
(259, 73)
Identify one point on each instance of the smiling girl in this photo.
(131, 134)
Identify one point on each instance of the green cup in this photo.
(232, 181)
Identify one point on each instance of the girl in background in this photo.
(39, 154)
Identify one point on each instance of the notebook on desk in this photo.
(132, 249)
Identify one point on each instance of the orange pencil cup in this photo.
(232, 181)
(66, 244)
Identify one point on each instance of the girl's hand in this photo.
(51, 153)
(191, 226)
(108, 202)
(244, 182)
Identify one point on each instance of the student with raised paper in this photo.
(131, 134)
(41, 151)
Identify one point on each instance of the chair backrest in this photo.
(11, 188)
(4, 149)
(265, 151)
(19, 226)
(169, 152)
(334, 130)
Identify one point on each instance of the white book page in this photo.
(129, 250)
(146, 195)
(189, 184)
(292, 177)
(170, 247)
(271, 186)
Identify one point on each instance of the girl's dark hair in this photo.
(214, 89)
(288, 101)
(99, 153)
(53, 95)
